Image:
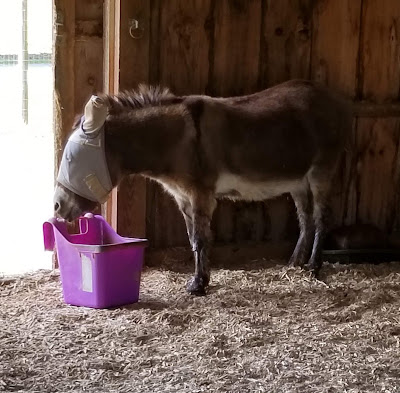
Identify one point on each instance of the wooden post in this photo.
(112, 15)
(64, 74)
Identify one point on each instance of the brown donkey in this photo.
(286, 139)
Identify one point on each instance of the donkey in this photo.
(286, 139)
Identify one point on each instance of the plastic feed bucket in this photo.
(98, 268)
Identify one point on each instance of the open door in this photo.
(26, 133)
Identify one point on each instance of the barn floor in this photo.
(263, 329)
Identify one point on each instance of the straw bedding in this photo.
(262, 329)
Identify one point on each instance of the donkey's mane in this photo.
(144, 96)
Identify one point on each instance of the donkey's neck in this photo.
(149, 141)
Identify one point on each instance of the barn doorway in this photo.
(26, 133)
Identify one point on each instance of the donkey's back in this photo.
(274, 136)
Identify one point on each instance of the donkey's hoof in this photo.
(314, 269)
(295, 262)
(292, 263)
(197, 286)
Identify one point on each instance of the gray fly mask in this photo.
(83, 167)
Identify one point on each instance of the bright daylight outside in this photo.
(26, 133)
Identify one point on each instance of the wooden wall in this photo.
(78, 63)
(229, 47)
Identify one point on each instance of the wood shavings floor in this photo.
(263, 329)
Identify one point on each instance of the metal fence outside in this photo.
(33, 58)
(25, 60)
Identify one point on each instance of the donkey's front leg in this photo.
(185, 208)
(203, 206)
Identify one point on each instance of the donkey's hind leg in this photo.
(320, 183)
(303, 200)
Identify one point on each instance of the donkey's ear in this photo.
(77, 121)
(95, 116)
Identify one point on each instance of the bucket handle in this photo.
(48, 236)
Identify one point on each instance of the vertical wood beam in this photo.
(64, 78)
(112, 9)
(64, 74)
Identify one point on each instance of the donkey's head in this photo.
(89, 168)
(69, 205)
(84, 178)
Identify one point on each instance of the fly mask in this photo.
(83, 167)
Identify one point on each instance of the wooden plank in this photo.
(64, 94)
(88, 28)
(134, 53)
(344, 191)
(251, 222)
(112, 15)
(368, 109)
(234, 70)
(380, 57)
(155, 42)
(88, 70)
(90, 10)
(223, 224)
(64, 74)
(184, 50)
(89, 19)
(167, 223)
(236, 47)
(377, 140)
(154, 77)
(285, 54)
(378, 171)
(369, 176)
(335, 44)
(285, 41)
(131, 207)
(182, 66)
(88, 51)
(134, 69)
(334, 62)
(395, 227)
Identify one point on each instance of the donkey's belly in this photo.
(238, 188)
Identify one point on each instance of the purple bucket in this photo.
(98, 268)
